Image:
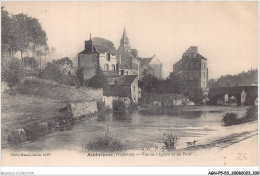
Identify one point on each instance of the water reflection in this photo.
(122, 116)
(172, 112)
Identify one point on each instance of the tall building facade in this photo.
(192, 69)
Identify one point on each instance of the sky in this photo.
(226, 33)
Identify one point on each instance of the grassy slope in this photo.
(35, 103)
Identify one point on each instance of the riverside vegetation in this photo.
(230, 119)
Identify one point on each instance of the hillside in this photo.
(242, 79)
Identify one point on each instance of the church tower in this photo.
(124, 44)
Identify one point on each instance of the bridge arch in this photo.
(216, 98)
(249, 94)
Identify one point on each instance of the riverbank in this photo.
(242, 151)
(37, 107)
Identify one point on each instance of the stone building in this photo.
(96, 55)
(153, 66)
(124, 88)
(131, 64)
(192, 69)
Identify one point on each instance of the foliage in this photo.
(251, 113)
(59, 71)
(242, 79)
(7, 33)
(119, 106)
(195, 95)
(30, 62)
(12, 71)
(107, 143)
(22, 33)
(170, 142)
(98, 81)
(63, 63)
(232, 119)
(151, 84)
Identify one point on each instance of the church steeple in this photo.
(124, 44)
(124, 39)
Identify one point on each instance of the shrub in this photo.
(37, 130)
(15, 138)
(12, 71)
(251, 114)
(195, 95)
(230, 119)
(97, 81)
(119, 105)
(170, 142)
(105, 143)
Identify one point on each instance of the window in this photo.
(106, 67)
(126, 72)
(204, 75)
(134, 88)
(113, 67)
(122, 72)
(108, 57)
(204, 65)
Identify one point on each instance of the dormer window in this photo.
(108, 57)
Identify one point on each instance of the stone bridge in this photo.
(245, 95)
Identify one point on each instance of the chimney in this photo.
(89, 46)
(193, 49)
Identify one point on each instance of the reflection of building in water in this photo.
(243, 97)
(192, 69)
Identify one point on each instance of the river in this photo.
(141, 129)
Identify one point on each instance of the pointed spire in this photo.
(90, 36)
(124, 39)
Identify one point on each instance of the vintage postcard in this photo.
(129, 83)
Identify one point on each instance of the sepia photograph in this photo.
(119, 83)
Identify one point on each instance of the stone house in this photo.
(94, 56)
(121, 87)
(153, 66)
(192, 69)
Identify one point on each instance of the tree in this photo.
(12, 72)
(7, 33)
(30, 63)
(99, 80)
(59, 71)
(28, 35)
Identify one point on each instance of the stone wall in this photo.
(82, 109)
(165, 100)
(108, 100)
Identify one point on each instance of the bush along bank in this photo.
(230, 119)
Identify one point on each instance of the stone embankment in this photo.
(165, 100)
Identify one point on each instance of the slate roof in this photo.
(146, 61)
(121, 91)
(198, 56)
(126, 80)
(119, 86)
(97, 48)
(110, 73)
